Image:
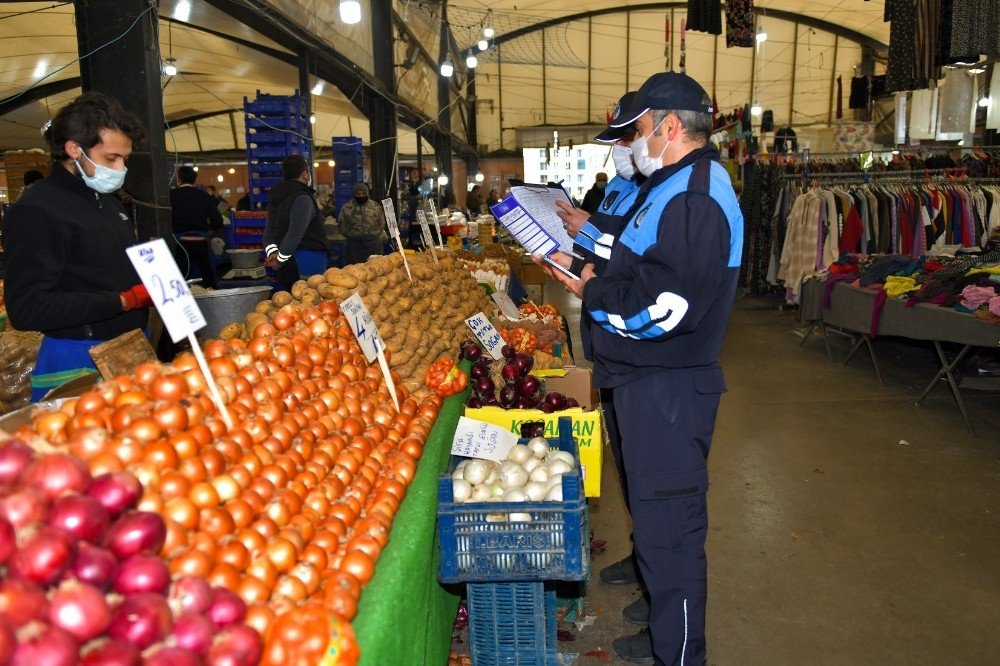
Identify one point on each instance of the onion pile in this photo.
(290, 507)
(83, 582)
(531, 473)
(510, 385)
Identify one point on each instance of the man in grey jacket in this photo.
(362, 223)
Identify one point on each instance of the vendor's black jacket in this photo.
(193, 210)
(279, 220)
(664, 298)
(65, 262)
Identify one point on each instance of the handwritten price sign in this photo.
(363, 326)
(159, 273)
(488, 336)
(390, 215)
(476, 439)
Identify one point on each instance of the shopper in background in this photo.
(222, 205)
(474, 201)
(362, 223)
(661, 307)
(595, 236)
(67, 274)
(493, 197)
(31, 177)
(195, 218)
(294, 237)
(244, 203)
(595, 195)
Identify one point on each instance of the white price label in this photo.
(390, 215)
(425, 233)
(507, 307)
(363, 326)
(476, 439)
(488, 336)
(432, 212)
(173, 300)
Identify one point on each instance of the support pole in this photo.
(382, 113)
(545, 87)
(753, 71)
(628, 48)
(442, 138)
(715, 64)
(590, 44)
(500, 93)
(795, 62)
(128, 69)
(833, 79)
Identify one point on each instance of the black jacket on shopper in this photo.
(193, 210)
(288, 232)
(65, 262)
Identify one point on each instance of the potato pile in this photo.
(418, 320)
(18, 352)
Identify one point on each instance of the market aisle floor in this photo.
(832, 541)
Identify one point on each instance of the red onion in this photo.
(117, 492)
(93, 565)
(113, 653)
(141, 619)
(8, 641)
(242, 640)
(473, 352)
(57, 474)
(226, 608)
(80, 609)
(194, 632)
(528, 385)
(15, 456)
(474, 402)
(509, 372)
(52, 646)
(508, 394)
(483, 386)
(524, 363)
(81, 516)
(556, 400)
(8, 541)
(142, 573)
(508, 352)
(572, 403)
(24, 506)
(44, 557)
(478, 371)
(22, 601)
(136, 532)
(190, 594)
(172, 656)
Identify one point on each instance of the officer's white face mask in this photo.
(622, 157)
(640, 153)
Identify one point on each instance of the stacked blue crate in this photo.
(349, 169)
(276, 127)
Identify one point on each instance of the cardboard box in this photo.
(532, 274)
(587, 430)
(577, 383)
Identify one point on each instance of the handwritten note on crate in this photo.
(477, 439)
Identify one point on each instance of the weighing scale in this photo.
(255, 273)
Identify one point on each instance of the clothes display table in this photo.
(851, 308)
(405, 616)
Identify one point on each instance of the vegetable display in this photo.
(18, 352)
(509, 384)
(531, 473)
(83, 582)
(445, 378)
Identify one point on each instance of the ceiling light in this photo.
(895, 152)
(756, 109)
(350, 11)
(195, 168)
(312, 119)
(761, 35)
(984, 102)
(182, 11)
(442, 180)
(435, 168)
(315, 165)
(447, 69)
(483, 45)
(232, 170)
(471, 61)
(488, 32)
(480, 177)
(219, 178)
(318, 88)
(170, 68)
(331, 163)
(977, 70)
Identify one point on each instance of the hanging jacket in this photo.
(64, 249)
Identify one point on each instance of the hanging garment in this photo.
(957, 103)
(840, 97)
(993, 110)
(902, 37)
(860, 93)
(945, 46)
(767, 121)
(974, 29)
(928, 15)
(705, 16)
(739, 23)
(798, 259)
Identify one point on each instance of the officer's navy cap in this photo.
(666, 90)
(612, 133)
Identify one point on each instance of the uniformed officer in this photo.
(661, 307)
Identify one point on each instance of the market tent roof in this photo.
(551, 63)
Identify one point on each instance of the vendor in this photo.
(294, 237)
(195, 219)
(67, 274)
(363, 224)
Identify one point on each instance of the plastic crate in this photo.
(345, 144)
(479, 542)
(512, 624)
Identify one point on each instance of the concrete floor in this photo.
(831, 540)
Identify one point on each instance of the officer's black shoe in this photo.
(636, 649)
(623, 572)
(637, 612)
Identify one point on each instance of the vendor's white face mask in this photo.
(622, 157)
(640, 152)
(105, 179)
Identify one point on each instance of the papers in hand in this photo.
(528, 213)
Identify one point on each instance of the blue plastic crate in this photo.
(512, 624)
(480, 543)
(345, 144)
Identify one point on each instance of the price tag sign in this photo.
(390, 215)
(432, 212)
(425, 232)
(476, 439)
(363, 326)
(159, 273)
(507, 307)
(488, 336)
